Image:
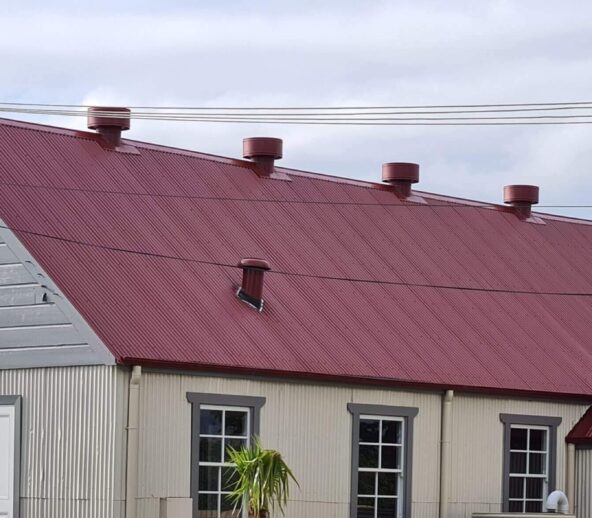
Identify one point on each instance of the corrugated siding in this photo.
(308, 423)
(477, 448)
(69, 441)
(584, 483)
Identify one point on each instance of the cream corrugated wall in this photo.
(477, 448)
(70, 440)
(309, 424)
(584, 483)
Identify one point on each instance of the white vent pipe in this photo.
(557, 502)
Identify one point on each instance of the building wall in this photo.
(311, 426)
(477, 446)
(584, 483)
(72, 435)
(308, 423)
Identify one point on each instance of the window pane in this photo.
(368, 456)
(229, 478)
(227, 506)
(235, 423)
(208, 503)
(516, 506)
(210, 422)
(369, 430)
(537, 463)
(387, 507)
(387, 484)
(534, 507)
(518, 438)
(210, 449)
(391, 432)
(534, 488)
(517, 462)
(516, 487)
(233, 443)
(366, 483)
(208, 478)
(538, 440)
(391, 457)
(365, 508)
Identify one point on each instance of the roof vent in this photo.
(109, 122)
(251, 290)
(400, 175)
(264, 151)
(521, 198)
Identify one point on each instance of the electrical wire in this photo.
(399, 107)
(299, 274)
(282, 113)
(323, 119)
(410, 204)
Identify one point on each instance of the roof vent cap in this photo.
(521, 197)
(251, 289)
(401, 175)
(109, 121)
(264, 151)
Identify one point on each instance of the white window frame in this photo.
(399, 471)
(528, 475)
(387, 412)
(551, 424)
(199, 400)
(223, 436)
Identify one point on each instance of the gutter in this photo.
(133, 418)
(445, 435)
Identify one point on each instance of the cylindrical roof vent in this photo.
(264, 151)
(400, 175)
(109, 121)
(251, 290)
(522, 198)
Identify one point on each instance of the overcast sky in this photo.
(331, 53)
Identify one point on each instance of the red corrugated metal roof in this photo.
(165, 311)
(581, 433)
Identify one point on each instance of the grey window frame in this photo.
(253, 403)
(15, 401)
(407, 414)
(528, 420)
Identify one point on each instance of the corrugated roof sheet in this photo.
(165, 311)
(581, 433)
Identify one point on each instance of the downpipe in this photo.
(445, 438)
(133, 411)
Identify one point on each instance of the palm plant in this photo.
(262, 479)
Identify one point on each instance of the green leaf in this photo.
(263, 478)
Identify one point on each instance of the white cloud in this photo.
(302, 53)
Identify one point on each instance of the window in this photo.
(530, 443)
(381, 461)
(218, 421)
(220, 427)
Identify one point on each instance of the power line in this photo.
(299, 274)
(322, 119)
(282, 113)
(410, 204)
(355, 107)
